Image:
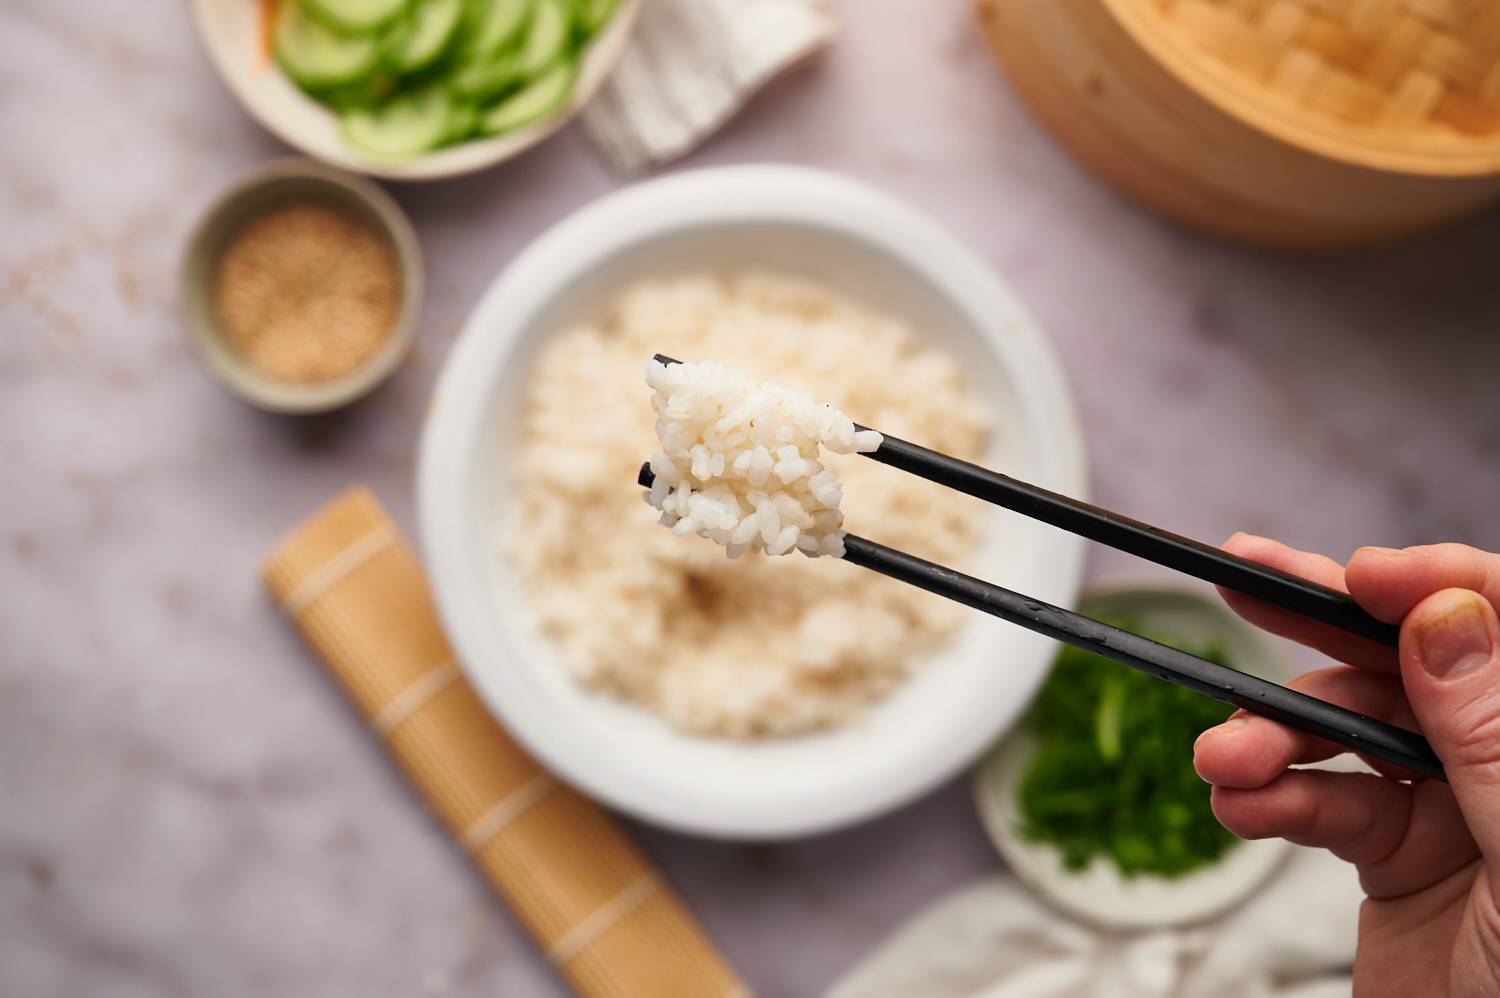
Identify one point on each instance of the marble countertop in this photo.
(187, 805)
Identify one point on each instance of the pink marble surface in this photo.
(188, 807)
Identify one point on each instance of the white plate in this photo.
(229, 31)
(857, 241)
(1099, 895)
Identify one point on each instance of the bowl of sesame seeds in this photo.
(302, 287)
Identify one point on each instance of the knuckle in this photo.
(1482, 980)
(1473, 740)
(1469, 567)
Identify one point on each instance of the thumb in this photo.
(1450, 666)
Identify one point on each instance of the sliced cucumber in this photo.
(547, 36)
(425, 35)
(593, 14)
(482, 82)
(539, 99)
(316, 58)
(355, 17)
(495, 25)
(368, 91)
(408, 123)
(463, 119)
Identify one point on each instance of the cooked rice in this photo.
(740, 461)
(757, 646)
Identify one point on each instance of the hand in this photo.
(1428, 854)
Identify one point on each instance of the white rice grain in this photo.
(755, 646)
(713, 423)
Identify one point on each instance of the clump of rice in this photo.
(740, 462)
(757, 646)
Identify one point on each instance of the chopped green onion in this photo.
(1112, 776)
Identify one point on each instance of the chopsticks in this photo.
(1182, 554)
(1356, 731)
(1259, 696)
(1201, 561)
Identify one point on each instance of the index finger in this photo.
(1389, 583)
(1331, 641)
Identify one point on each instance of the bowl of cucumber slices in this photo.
(413, 89)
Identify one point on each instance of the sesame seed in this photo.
(306, 292)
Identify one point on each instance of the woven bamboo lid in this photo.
(1404, 85)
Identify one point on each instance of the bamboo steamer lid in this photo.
(1288, 122)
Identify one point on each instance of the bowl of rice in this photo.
(754, 697)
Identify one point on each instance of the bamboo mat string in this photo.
(591, 900)
(411, 699)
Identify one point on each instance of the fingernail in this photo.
(1228, 727)
(1371, 550)
(1457, 639)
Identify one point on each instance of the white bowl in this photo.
(1099, 894)
(229, 31)
(857, 241)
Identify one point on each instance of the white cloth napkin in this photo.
(690, 65)
(1295, 939)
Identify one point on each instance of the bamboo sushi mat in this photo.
(1395, 65)
(568, 870)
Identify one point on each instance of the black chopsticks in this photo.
(1337, 724)
(1311, 600)
(1182, 554)
(1259, 696)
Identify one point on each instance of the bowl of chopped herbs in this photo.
(1093, 801)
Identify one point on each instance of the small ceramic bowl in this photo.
(230, 34)
(266, 187)
(1099, 895)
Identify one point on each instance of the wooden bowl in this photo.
(1304, 123)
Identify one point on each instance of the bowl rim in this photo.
(1340, 141)
(684, 202)
(195, 272)
(599, 59)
